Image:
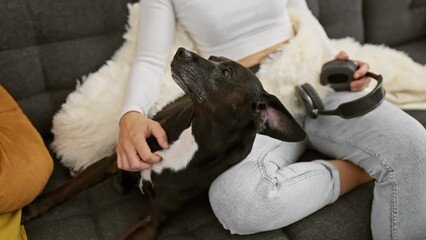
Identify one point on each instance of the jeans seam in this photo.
(290, 181)
(385, 165)
(298, 178)
(262, 167)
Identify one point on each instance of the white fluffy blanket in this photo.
(86, 127)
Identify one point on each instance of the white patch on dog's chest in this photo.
(176, 157)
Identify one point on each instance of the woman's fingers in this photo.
(361, 81)
(362, 70)
(133, 151)
(159, 133)
(144, 153)
(342, 56)
(360, 84)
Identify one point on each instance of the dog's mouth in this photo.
(186, 87)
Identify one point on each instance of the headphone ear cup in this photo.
(316, 100)
(306, 100)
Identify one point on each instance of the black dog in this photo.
(210, 129)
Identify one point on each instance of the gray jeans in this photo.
(269, 190)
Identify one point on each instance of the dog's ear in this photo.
(273, 119)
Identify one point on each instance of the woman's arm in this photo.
(156, 32)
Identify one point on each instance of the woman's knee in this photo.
(232, 202)
(244, 207)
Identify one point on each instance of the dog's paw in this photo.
(31, 212)
(27, 215)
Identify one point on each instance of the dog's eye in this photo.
(227, 73)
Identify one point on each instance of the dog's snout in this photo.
(183, 53)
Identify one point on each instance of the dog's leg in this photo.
(162, 205)
(156, 214)
(123, 182)
(145, 229)
(92, 175)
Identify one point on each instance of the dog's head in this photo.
(226, 87)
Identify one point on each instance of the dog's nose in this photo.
(183, 53)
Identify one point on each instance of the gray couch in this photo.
(45, 45)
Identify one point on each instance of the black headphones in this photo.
(339, 74)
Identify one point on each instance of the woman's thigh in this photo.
(380, 141)
(391, 146)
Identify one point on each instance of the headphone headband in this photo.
(360, 106)
(314, 106)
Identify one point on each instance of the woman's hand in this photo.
(133, 152)
(360, 81)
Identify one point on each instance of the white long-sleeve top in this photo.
(231, 28)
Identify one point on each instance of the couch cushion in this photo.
(419, 116)
(340, 18)
(415, 49)
(46, 45)
(99, 213)
(394, 22)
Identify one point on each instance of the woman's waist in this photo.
(248, 47)
(258, 57)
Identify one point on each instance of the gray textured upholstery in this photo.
(45, 45)
(400, 24)
(334, 16)
(395, 22)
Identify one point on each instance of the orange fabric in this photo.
(25, 163)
